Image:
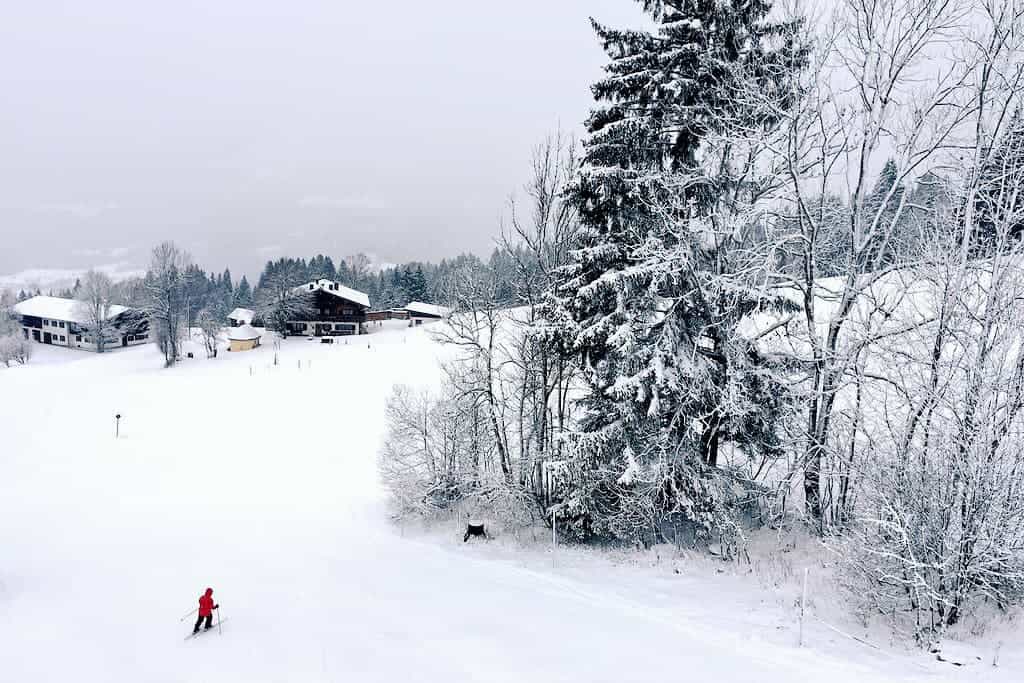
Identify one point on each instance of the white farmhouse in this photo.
(59, 322)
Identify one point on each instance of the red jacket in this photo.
(206, 603)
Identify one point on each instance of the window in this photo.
(61, 326)
(78, 337)
(46, 323)
(62, 338)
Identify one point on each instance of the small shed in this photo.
(419, 313)
(241, 316)
(244, 338)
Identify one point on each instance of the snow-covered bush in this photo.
(15, 349)
(439, 453)
(939, 518)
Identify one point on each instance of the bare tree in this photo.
(537, 241)
(165, 292)
(281, 299)
(358, 268)
(899, 79)
(940, 521)
(475, 329)
(210, 327)
(95, 297)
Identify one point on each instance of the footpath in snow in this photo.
(260, 481)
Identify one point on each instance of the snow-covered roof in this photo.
(244, 333)
(244, 314)
(338, 290)
(418, 307)
(57, 308)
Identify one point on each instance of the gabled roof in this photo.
(57, 308)
(420, 308)
(337, 289)
(244, 314)
(244, 333)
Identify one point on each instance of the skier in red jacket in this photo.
(206, 608)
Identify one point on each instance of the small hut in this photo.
(241, 316)
(244, 338)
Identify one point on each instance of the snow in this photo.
(243, 315)
(274, 502)
(415, 307)
(244, 333)
(57, 308)
(338, 290)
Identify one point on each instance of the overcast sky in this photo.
(246, 130)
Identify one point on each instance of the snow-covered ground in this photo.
(260, 481)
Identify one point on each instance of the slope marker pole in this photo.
(803, 606)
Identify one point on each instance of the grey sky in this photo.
(247, 129)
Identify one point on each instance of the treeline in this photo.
(393, 286)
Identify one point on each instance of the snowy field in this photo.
(260, 481)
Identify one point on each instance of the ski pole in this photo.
(220, 632)
(189, 614)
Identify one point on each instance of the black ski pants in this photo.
(209, 622)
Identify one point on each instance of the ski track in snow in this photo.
(264, 487)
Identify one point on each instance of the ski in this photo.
(204, 630)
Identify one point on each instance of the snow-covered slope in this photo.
(260, 481)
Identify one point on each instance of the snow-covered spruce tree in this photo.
(997, 197)
(243, 294)
(665, 272)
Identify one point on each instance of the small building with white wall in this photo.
(61, 322)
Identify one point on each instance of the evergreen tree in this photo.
(999, 205)
(243, 294)
(650, 289)
(344, 275)
(879, 199)
(416, 284)
(321, 267)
